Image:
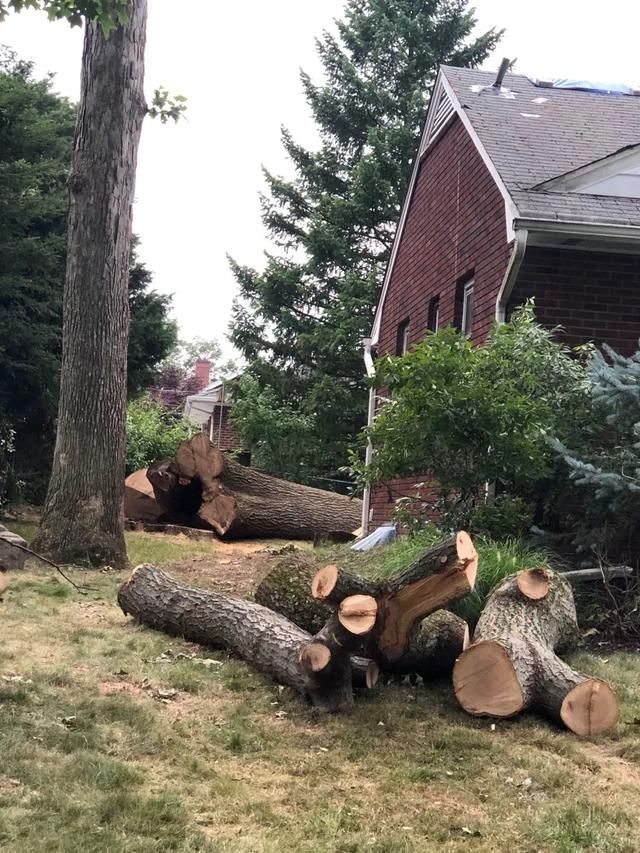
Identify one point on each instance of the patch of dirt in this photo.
(611, 768)
(237, 569)
(108, 688)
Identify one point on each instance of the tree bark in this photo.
(512, 664)
(203, 487)
(83, 519)
(442, 575)
(317, 666)
(287, 590)
(434, 645)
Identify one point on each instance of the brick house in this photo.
(210, 409)
(520, 189)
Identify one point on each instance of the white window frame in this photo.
(405, 339)
(467, 297)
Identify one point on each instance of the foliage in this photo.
(153, 433)
(475, 415)
(36, 135)
(7, 436)
(605, 455)
(152, 335)
(300, 322)
(108, 13)
(165, 106)
(503, 516)
(277, 435)
(175, 379)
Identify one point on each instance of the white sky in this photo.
(198, 182)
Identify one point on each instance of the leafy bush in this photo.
(7, 477)
(470, 415)
(153, 433)
(506, 516)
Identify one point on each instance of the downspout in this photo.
(220, 414)
(366, 498)
(511, 275)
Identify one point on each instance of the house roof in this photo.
(536, 133)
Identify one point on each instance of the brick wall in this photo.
(455, 227)
(594, 295)
(228, 439)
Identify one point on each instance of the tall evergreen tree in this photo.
(300, 322)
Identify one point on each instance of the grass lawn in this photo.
(115, 738)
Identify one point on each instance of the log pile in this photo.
(203, 488)
(353, 629)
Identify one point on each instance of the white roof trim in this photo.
(593, 173)
(432, 131)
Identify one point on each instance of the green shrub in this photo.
(502, 517)
(153, 433)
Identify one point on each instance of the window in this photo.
(467, 309)
(433, 314)
(402, 340)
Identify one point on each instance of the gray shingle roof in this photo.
(572, 129)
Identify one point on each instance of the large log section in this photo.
(512, 664)
(201, 487)
(442, 575)
(434, 645)
(317, 666)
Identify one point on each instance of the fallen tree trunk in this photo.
(203, 487)
(434, 645)
(443, 574)
(318, 666)
(512, 664)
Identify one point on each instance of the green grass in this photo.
(93, 759)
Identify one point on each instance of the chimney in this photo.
(202, 373)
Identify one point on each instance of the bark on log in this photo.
(512, 664)
(318, 667)
(444, 574)
(202, 487)
(287, 590)
(434, 645)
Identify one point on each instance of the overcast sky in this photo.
(238, 63)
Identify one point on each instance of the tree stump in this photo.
(512, 664)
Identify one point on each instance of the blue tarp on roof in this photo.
(593, 86)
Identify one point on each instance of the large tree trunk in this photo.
(434, 644)
(203, 487)
(83, 520)
(443, 574)
(317, 666)
(512, 664)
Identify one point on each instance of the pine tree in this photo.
(300, 322)
(606, 460)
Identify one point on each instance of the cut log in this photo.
(512, 664)
(286, 589)
(434, 647)
(365, 672)
(443, 574)
(318, 667)
(139, 499)
(202, 487)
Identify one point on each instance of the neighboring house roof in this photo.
(532, 138)
(199, 407)
(541, 133)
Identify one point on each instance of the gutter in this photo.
(366, 498)
(605, 231)
(511, 274)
